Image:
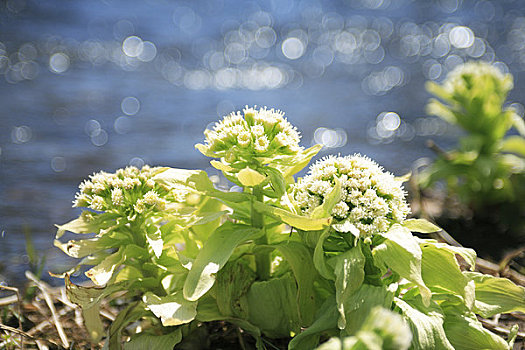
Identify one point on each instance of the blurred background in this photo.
(98, 85)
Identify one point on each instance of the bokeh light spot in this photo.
(59, 62)
(137, 162)
(130, 105)
(461, 37)
(58, 164)
(132, 46)
(122, 124)
(100, 139)
(293, 48)
(92, 128)
(21, 134)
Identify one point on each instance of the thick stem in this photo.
(262, 258)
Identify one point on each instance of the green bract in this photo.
(177, 252)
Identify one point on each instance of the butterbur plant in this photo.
(328, 260)
(487, 166)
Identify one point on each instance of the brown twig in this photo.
(49, 302)
(499, 329)
(19, 299)
(438, 150)
(503, 265)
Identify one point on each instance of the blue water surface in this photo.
(98, 85)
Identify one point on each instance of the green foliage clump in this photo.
(487, 168)
(329, 256)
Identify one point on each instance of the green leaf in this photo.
(327, 320)
(329, 202)
(441, 269)
(349, 269)
(514, 144)
(513, 334)
(277, 181)
(300, 222)
(173, 310)
(466, 253)
(221, 166)
(93, 323)
(89, 298)
(347, 226)
(390, 327)
(197, 179)
(233, 282)
(150, 341)
(83, 224)
(465, 332)
(496, 295)
(80, 248)
(213, 255)
(300, 260)
(102, 273)
(426, 324)
(154, 240)
(300, 161)
(359, 304)
(131, 313)
(249, 177)
(209, 218)
(319, 258)
(273, 306)
(208, 310)
(234, 197)
(400, 252)
(420, 225)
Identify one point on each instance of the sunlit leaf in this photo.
(80, 248)
(426, 324)
(155, 241)
(401, 253)
(420, 225)
(465, 332)
(173, 310)
(358, 305)
(496, 295)
(221, 166)
(213, 255)
(349, 275)
(101, 273)
(300, 161)
(197, 179)
(441, 269)
(325, 209)
(249, 177)
(514, 144)
(300, 222)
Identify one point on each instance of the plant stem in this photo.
(262, 259)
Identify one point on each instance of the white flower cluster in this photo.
(254, 133)
(371, 199)
(127, 190)
(471, 74)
